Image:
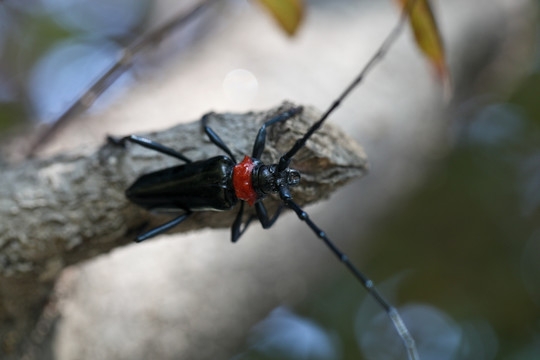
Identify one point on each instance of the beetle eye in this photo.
(293, 177)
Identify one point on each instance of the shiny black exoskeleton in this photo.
(214, 184)
(196, 186)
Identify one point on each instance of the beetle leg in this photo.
(260, 140)
(163, 228)
(236, 230)
(214, 138)
(149, 144)
(262, 215)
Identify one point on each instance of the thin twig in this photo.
(124, 62)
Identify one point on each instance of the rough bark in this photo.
(62, 210)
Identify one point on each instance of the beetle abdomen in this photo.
(197, 186)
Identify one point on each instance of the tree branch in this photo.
(69, 208)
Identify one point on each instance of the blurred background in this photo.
(447, 223)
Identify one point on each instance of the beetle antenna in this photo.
(378, 56)
(392, 312)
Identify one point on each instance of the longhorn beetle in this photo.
(218, 183)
